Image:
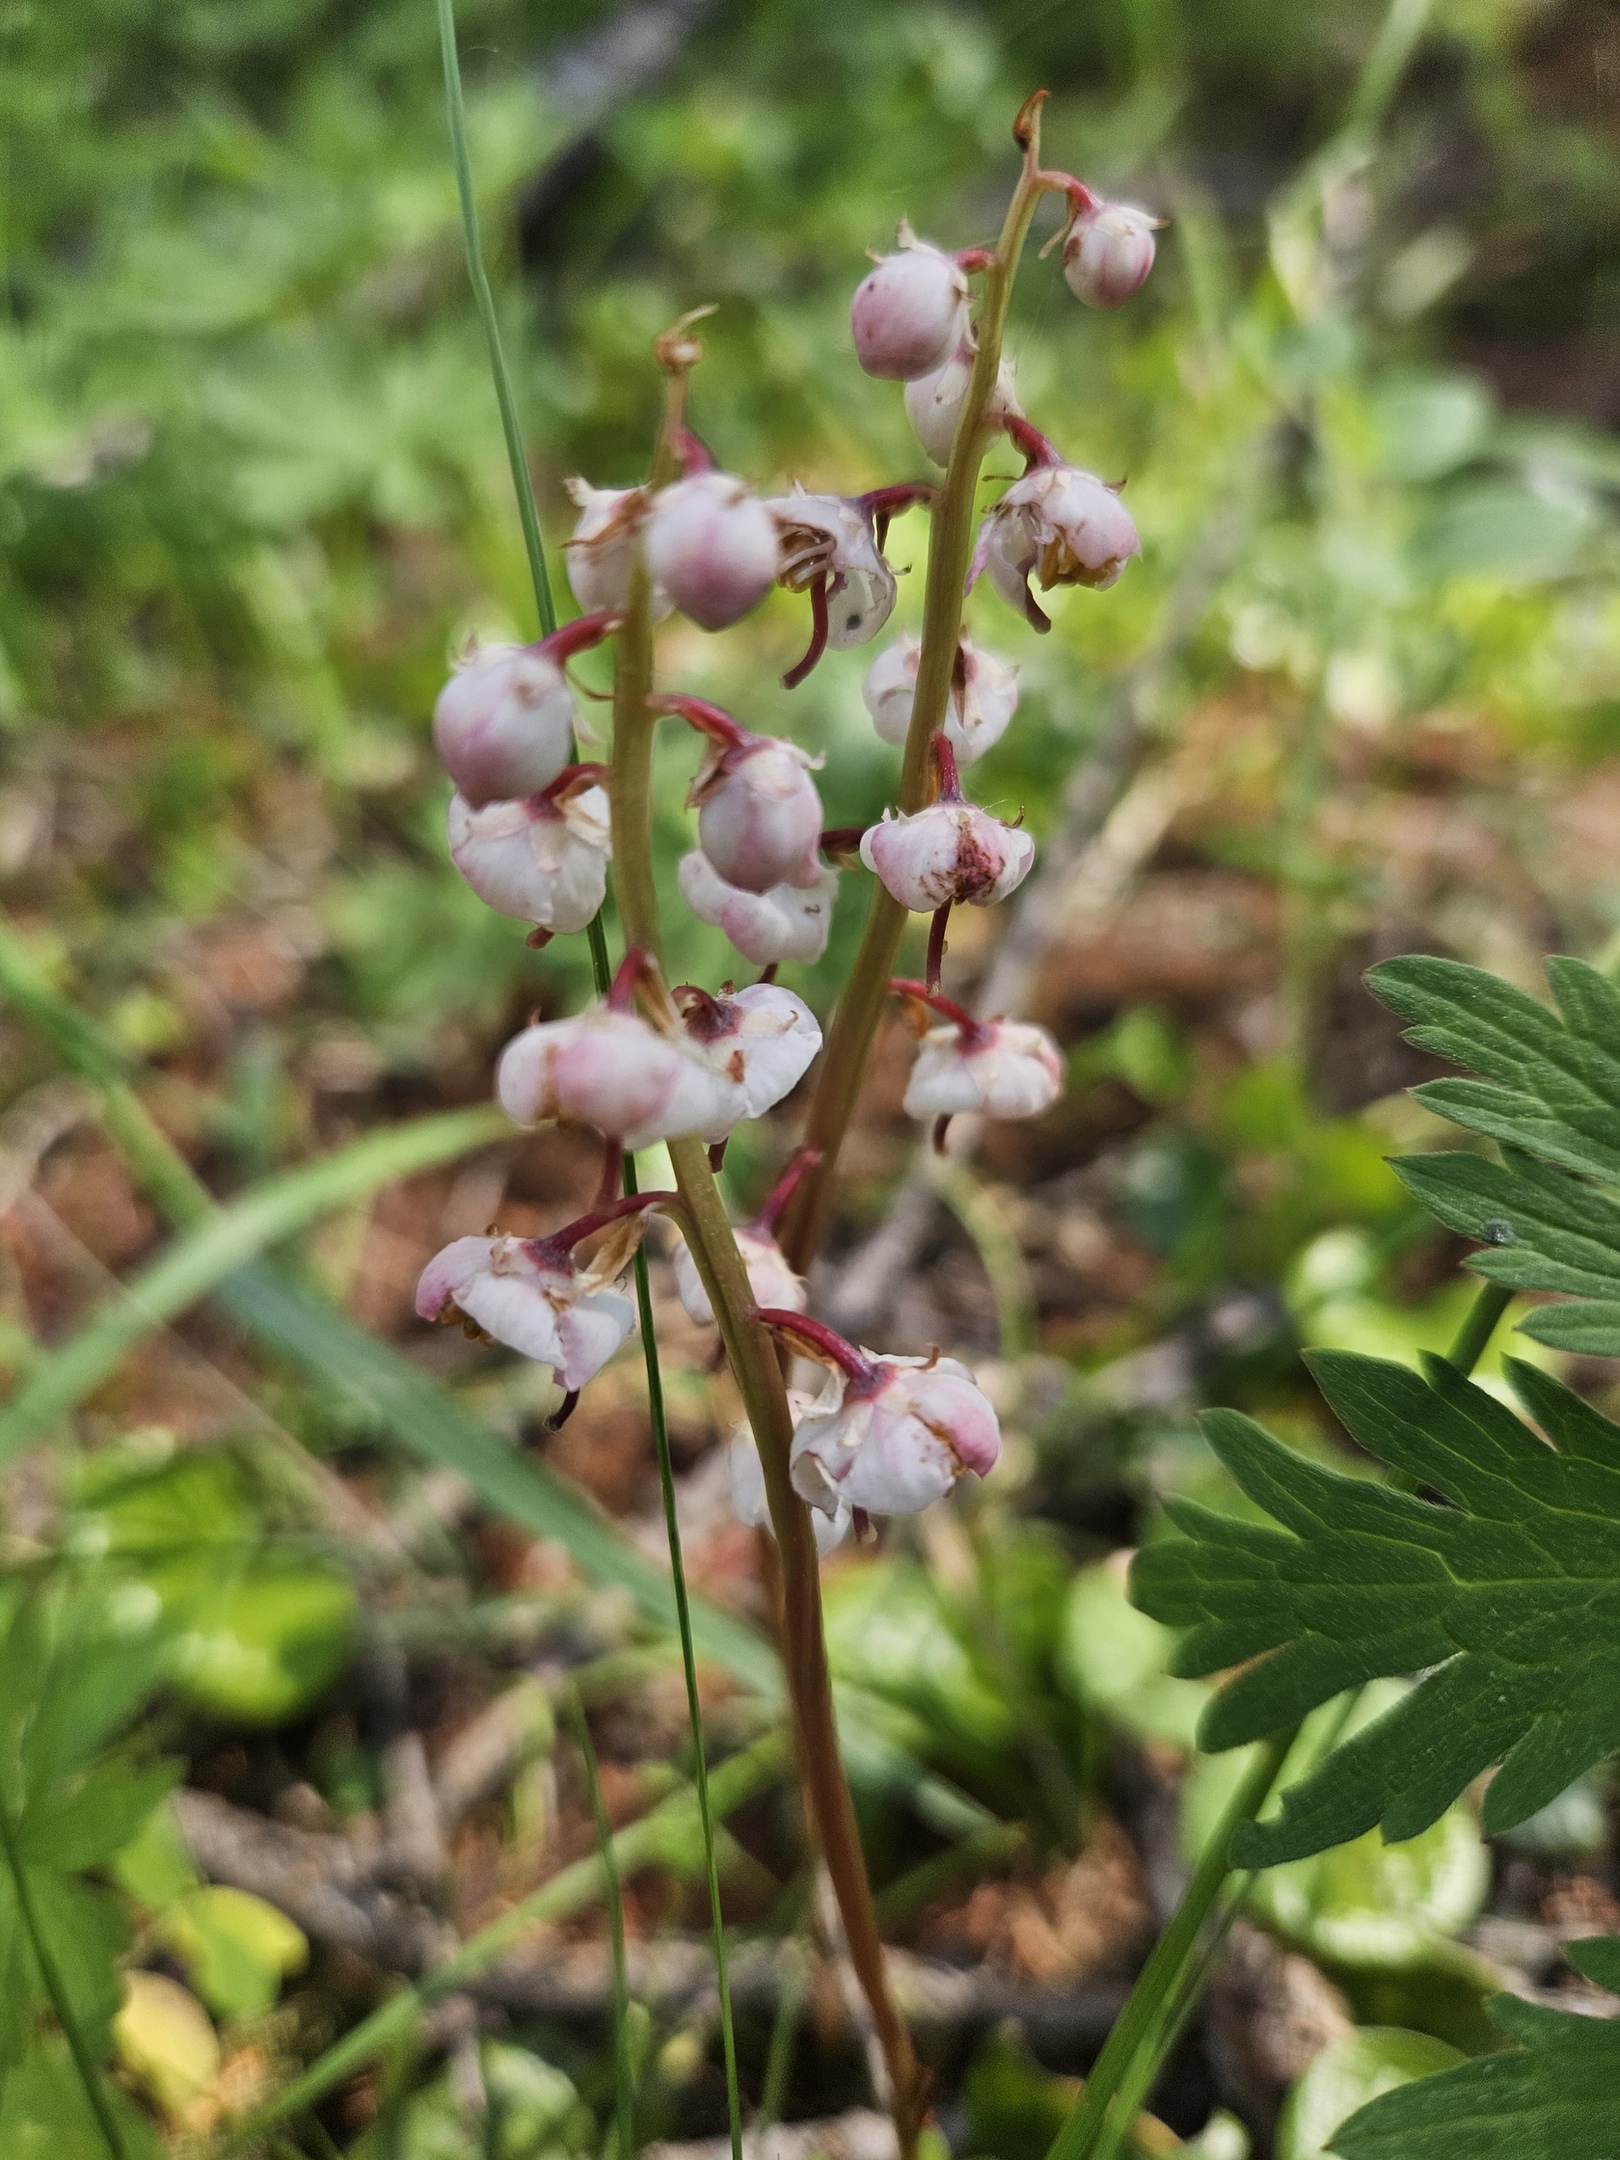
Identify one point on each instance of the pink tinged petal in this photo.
(712, 546)
(534, 862)
(934, 402)
(748, 1496)
(441, 1281)
(1108, 254)
(591, 1329)
(760, 817)
(602, 550)
(909, 313)
(777, 1036)
(503, 725)
(611, 1070)
(944, 1081)
(790, 922)
(1021, 1070)
(950, 851)
(890, 688)
(518, 1311)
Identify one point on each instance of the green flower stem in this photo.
(1160, 1976)
(78, 2047)
(649, 1842)
(755, 1365)
(1473, 1337)
(950, 546)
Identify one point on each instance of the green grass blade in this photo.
(640, 1844)
(203, 1255)
(624, 2085)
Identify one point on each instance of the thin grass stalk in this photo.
(950, 546)
(624, 2091)
(78, 2047)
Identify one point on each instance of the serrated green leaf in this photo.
(1551, 2097)
(1506, 1599)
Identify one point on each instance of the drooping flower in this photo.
(950, 853)
(998, 1068)
(748, 1498)
(1108, 253)
(711, 545)
(832, 538)
(1058, 523)
(527, 1293)
(790, 922)
(983, 699)
(602, 549)
(934, 401)
(909, 312)
(889, 1435)
(504, 722)
(759, 816)
(542, 860)
(613, 1070)
(762, 1040)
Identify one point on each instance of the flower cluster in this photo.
(531, 831)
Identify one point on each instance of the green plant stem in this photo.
(758, 1374)
(78, 2047)
(456, 111)
(624, 2093)
(1161, 1974)
(645, 1843)
(950, 546)
(1473, 1337)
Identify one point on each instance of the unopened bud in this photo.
(616, 1072)
(983, 699)
(999, 1069)
(541, 860)
(531, 1298)
(934, 401)
(504, 723)
(759, 816)
(909, 312)
(1108, 254)
(711, 545)
(790, 922)
(950, 852)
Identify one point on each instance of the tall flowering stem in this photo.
(950, 548)
(751, 1349)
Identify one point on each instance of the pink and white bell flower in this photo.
(711, 545)
(541, 860)
(952, 852)
(1058, 523)
(759, 816)
(762, 1040)
(770, 1278)
(790, 922)
(934, 402)
(610, 1068)
(983, 696)
(748, 1496)
(910, 311)
(832, 548)
(995, 1068)
(504, 723)
(1108, 253)
(601, 551)
(528, 1294)
(887, 1435)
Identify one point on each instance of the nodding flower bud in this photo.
(887, 1434)
(983, 699)
(748, 1496)
(543, 860)
(790, 922)
(909, 312)
(613, 1070)
(934, 401)
(997, 1068)
(831, 541)
(770, 1278)
(711, 545)
(759, 816)
(504, 723)
(950, 853)
(760, 1040)
(1108, 253)
(602, 549)
(526, 1293)
(1064, 525)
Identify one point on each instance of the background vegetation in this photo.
(1361, 696)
